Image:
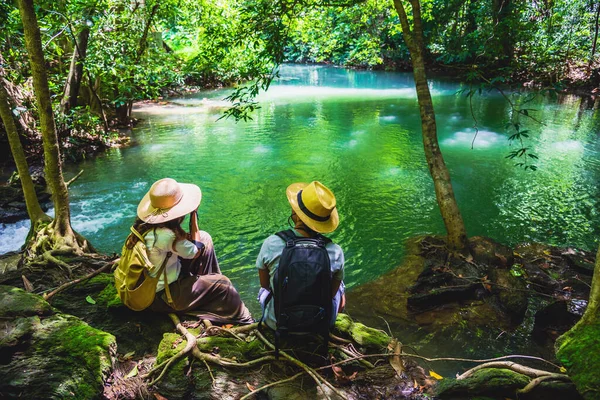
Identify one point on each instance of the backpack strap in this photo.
(136, 233)
(288, 236)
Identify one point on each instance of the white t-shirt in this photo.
(159, 242)
(270, 254)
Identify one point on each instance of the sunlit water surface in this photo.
(359, 133)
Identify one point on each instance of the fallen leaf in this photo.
(340, 375)
(487, 287)
(567, 289)
(133, 372)
(159, 397)
(228, 326)
(90, 300)
(395, 360)
(563, 370)
(128, 356)
(501, 258)
(250, 387)
(28, 286)
(435, 375)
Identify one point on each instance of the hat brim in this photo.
(192, 195)
(318, 226)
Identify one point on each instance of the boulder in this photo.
(47, 354)
(497, 383)
(96, 302)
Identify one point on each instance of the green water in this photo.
(359, 133)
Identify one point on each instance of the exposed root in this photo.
(211, 331)
(534, 382)
(191, 344)
(538, 375)
(321, 382)
(260, 389)
(48, 296)
(521, 369)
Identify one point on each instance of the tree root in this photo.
(48, 296)
(321, 382)
(260, 389)
(538, 375)
(191, 344)
(537, 381)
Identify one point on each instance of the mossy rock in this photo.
(578, 350)
(363, 335)
(175, 384)
(140, 332)
(15, 302)
(498, 383)
(52, 355)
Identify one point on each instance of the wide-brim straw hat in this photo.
(315, 205)
(168, 199)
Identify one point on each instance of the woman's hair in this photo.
(143, 227)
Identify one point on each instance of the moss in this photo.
(495, 382)
(62, 357)
(109, 297)
(362, 334)
(171, 385)
(232, 348)
(579, 351)
(15, 302)
(13, 331)
(88, 348)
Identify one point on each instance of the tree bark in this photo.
(579, 349)
(34, 210)
(455, 227)
(502, 12)
(595, 40)
(53, 168)
(71, 93)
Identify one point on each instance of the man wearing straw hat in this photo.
(314, 212)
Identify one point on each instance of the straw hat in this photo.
(314, 204)
(167, 199)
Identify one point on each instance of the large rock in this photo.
(48, 355)
(96, 302)
(496, 383)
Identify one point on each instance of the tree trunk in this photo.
(455, 227)
(579, 349)
(54, 177)
(34, 210)
(595, 40)
(69, 100)
(502, 13)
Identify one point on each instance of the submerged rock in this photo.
(47, 354)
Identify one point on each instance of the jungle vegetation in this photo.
(71, 70)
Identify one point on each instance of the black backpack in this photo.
(302, 287)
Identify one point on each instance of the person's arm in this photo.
(263, 275)
(194, 234)
(335, 286)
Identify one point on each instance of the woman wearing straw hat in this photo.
(314, 213)
(196, 284)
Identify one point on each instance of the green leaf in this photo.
(90, 300)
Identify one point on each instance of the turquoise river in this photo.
(359, 133)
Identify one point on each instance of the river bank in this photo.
(112, 350)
